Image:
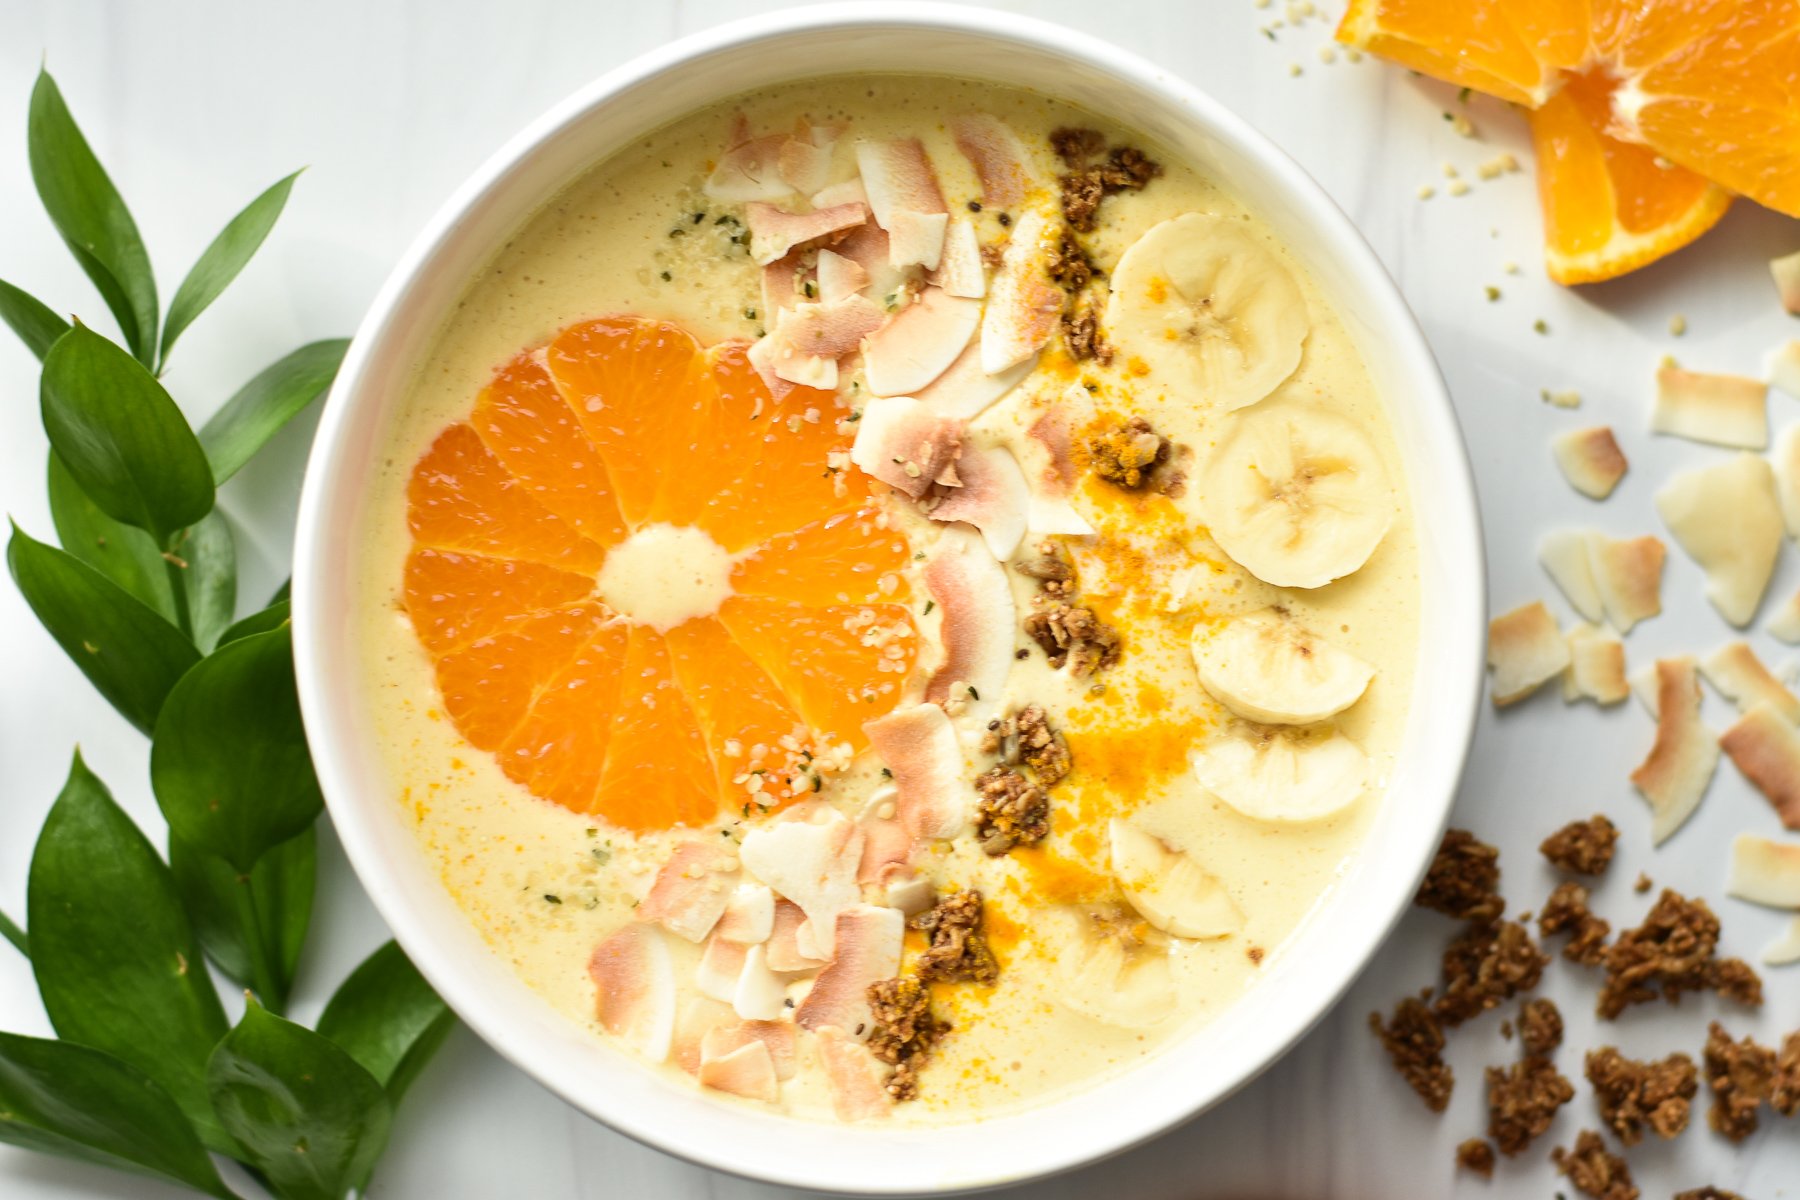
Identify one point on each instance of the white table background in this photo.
(196, 105)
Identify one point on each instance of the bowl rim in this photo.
(353, 814)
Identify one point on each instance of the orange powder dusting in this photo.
(1051, 878)
(1151, 698)
(1126, 763)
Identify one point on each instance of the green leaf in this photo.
(253, 926)
(229, 762)
(283, 592)
(117, 964)
(92, 218)
(220, 262)
(126, 556)
(127, 650)
(12, 933)
(37, 326)
(64, 1099)
(272, 617)
(261, 407)
(305, 1113)
(210, 576)
(387, 1018)
(122, 437)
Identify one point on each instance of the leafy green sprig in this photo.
(147, 1074)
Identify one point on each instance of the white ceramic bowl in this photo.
(1113, 1113)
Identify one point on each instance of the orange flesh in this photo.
(619, 423)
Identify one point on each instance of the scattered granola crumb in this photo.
(1634, 1096)
(1671, 953)
(1463, 879)
(1414, 1041)
(1784, 1094)
(1540, 1027)
(1127, 169)
(1073, 635)
(1643, 884)
(1069, 264)
(1585, 847)
(904, 1031)
(1082, 339)
(1011, 811)
(1522, 1101)
(959, 952)
(1128, 453)
(1566, 911)
(1477, 1155)
(1486, 966)
(1741, 1075)
(1076, 146)
(1593, 1170)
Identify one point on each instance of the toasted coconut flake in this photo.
(1782, 366)
(918, 343)
(1590, 460)
(721, 963)
(839, 278)
(1785, 949)
(1525, 649)
(911, 894)
(918, 745)
(979, 621)
(692, 890)
(810, 337)
(761, 356)
(761, 994)
(1024, 306)
(699, 1016)
(1786, 271)
(964, 390)
(905, 445)
(848, 191)
(779, 1037)
(1675, 776)
(750, 168)
(1787, 477)
(804, 160)
(993, 498)
(1721, 410)
(1564, 554)
(1785, 624)
(1766, 748)
(997, 155)
(887, 842)
(1596, 666)
(960, 272)
(1726, 517)
(782, 950)
(747, 1071)
(1628, 574)
(1741, 678)
(854, 1077)
(749, 917)
(774, 232)
(904, 195)
(810, 857)
(867, 246)
(1764, 871)
(781, 283)
(634, 989)
(868, 950)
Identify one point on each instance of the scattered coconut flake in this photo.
(960, 271)
(1766, 748)
(779, 1037)
(1782, 366)
(1727, 519)
(918, 343)
(999, 158)
(918, 746)
(839, 278)
(965, 390)
(810, 857)
(911, 894)
(773, 232)
(691, 890)
(1721, 410)
(761, 994)
(808, 339)
(905, 198)
(979, 621)
(782, 950)
(1786, 271)
(1680, 766)
(1628, 574)
(1785, 624)
(1564, 555)
(868, 950)
(721, 963)
(848, 191)
(887, 842)
(1787, 477)
(634, 989)
(804, 160)
(993, 498)
(1596, 667)
(905, 445)
(1738, 675)
(698, 1017)
(1764, 871)
(1525, 649)
(749, 169)
(749, 916)
(1785, 949)
(747, 1071)
(855, 1079)
(1590, 460)
(1024, 306)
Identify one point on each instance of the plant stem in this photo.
(262, 971)
(15, 935)
(177, 570)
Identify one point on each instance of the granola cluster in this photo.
(959, 951)
(1671, 953)
(1129, 453)
(1566, 911)
(1087, 181)
(1741, 1076)
(1594, 1170)
(1522, 1101)
(1463, 879)
(1067, 633)
(1636, 1096)
(1415, 1041)
(904, 1032)
(1585, 847)
(1487, 965)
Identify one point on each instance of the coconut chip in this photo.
(1782, 366)
(1786, 271)
(1721, 410)
(1785, 949)
(1525, 649)
(1596, 666)
(1766, 748)
(1675, 775)
(1590, 460)
(1726, 517)
(1785, 624)
(1628, 574)
(1787, 476)
(1564, 554)
(1764, 871)
(1738, 675)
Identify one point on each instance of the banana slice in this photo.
(1108, 970)
(1208, 309)
(1296, 495)
(1169, 889)
(1267, 667)
(1282, 777)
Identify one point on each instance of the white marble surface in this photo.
(197, 104)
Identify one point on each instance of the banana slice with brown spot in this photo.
(1268, 667)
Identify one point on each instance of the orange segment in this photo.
(740, 709)
(1608, 207)
(657, 770)
(455, 598)
(638, 390)
(559, 749)
(490, 684)
(461, 498)
(840, 665)
(1505, 48)
(840, 560)
(530, 429)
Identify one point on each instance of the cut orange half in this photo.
(618, 427)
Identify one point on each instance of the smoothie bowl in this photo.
(862, 601)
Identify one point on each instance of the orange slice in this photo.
(620, 426)
(1646, 111)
